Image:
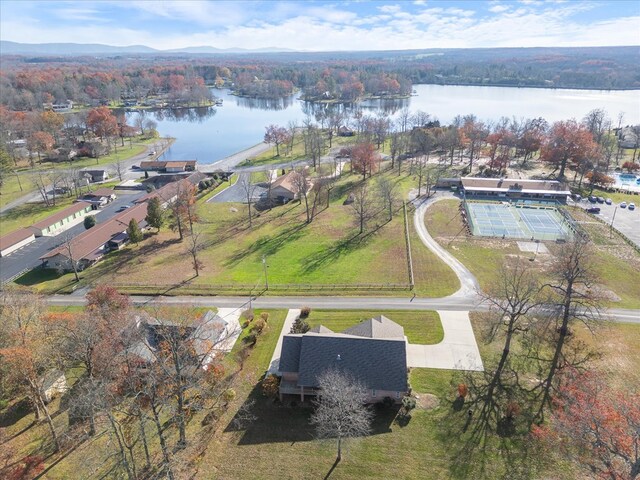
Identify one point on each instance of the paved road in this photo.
(28, 256)
(235, 193)
(339, 303)
(626, 221)
(230, 162)
(469, 285)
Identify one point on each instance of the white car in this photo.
(624, 205)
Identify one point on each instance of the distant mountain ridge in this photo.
(15, 48)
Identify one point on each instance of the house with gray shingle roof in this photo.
(374, 352)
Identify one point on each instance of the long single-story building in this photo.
(514, 189)
(91, 245)
(14, 240)
(62, 220)
(373, 352)
(169, 167)
(94, 176)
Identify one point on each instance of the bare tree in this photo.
(512, 300)
(194, 245)
(71, 260)
(388, 192)
(341, 410)
(248, 188)
(120, 169)
(302, 186)
(363, 205)
(574, 299)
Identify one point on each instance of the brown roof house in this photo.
(515, 189)
(374, 352)
(206, 337)
(14, 240)
(287, 187)
(99, 197)
(91, 245)
(173, 166)
(62, 220)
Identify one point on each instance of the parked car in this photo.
(123, 208)
(135, 167)
(592, 199)
(600, 200)
(593, 210)
(151, 153)
(632, 206)
(608, 201)
(624, 205)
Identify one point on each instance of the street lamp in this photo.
(266, 278)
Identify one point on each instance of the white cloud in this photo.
(498, 8)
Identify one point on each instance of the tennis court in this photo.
(495, 219)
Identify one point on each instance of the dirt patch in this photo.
(427, 401)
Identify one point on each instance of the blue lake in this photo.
(210, 134)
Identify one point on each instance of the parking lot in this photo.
(626, 221)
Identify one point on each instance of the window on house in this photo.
(374, 393)
(397, 394)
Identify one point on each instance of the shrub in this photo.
(229, 394)
(248, 314)
(305, 312)
(265, 316)
(462, 390)
(89, 221)
(258, 326)
(251, 339)
(271, 386)
(408, 404)
(300, 326)
(245, 324)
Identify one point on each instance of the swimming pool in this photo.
(627, 181)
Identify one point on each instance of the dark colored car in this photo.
(592, 199)
(593, 210)
(600, 200)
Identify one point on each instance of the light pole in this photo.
(266, 278)
(612, 219)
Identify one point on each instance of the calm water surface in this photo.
(210, 134)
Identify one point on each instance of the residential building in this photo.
(91, 245)
(14, 240)
(373, 352)
(62, 220)
(99, 197)
(514, 189)
(169, 167)
(287, 187)
(94, 176)
(207, 337)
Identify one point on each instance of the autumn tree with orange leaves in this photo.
(568, 143)
(364, 159)
(597, 425)
(28, 353)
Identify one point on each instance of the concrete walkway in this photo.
(232, 317)
(457, 351)
(286, 328)
(468, 283)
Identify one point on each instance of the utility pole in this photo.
(266, 278)
(611, 226)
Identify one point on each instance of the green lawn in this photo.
(312, 257)
(420, 327)
(617, 264)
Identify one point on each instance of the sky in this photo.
(324, 26)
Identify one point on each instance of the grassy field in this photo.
(326, 252)
(617, 264)
(419, 327)
(30, 213)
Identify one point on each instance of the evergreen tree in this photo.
(300, 326)
(155, 214)
(134, 232)
(89, 221)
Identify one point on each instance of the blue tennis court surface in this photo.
(494, 219)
